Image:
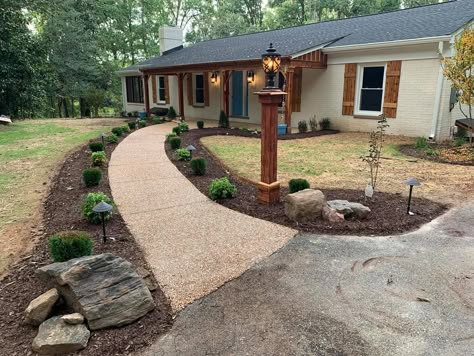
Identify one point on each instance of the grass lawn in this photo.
(334, 162)
(29, 153)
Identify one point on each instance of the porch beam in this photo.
(307, 64)
(289, 78)
(225, 90)
(181, 95)
(147, 95)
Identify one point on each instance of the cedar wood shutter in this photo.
(296, 90)
(190, 88)
(153, 88)
(206, 88)
(349, 89)
(167, 89)
(392, 86)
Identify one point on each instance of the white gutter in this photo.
(439, 89)
(375, 45)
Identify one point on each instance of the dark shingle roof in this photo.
(421, 22)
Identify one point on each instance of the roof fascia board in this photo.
(127, 73)
(377, 45)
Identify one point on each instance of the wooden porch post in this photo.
(225, 89)
(147, 95)
(181, 95)
(269, 187)
(290, 71)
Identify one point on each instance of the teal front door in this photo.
(237, 93)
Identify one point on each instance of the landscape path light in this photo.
(102, 137)
(102, 208)
(412, 182)
(191, 148)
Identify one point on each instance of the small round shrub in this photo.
(222, 188)
(90, 201)
(302, 126)
(175, 143)
(295, 185)
(66, 245)
(200, 124)
(170, 136)
(111, 138)
(223, 120)
(117, 131)
(96, 146)
(91, 176)
(156, 121)
(142, 123)
(177, 130)
(183, 127)
(99, 158)
(125, 128)
(183, 154)
(132, 125)
(199, 166)
(325, 123)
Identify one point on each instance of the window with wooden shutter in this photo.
(189, 87)
(392, 86)
(349, 89)
(296, 90)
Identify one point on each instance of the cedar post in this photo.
(269, 187)
(147, 95)
(289, 97)
(225, 89)
(181, 95)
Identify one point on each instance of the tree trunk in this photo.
(66, 110)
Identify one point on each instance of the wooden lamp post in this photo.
(269, 97)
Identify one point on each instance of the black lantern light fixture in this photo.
(271, 61)
(191, 148)
(102, 208)
(214, 77)
(412, 182)
(250, 76)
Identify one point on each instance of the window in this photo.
(371, 83)
(161, 90)
(134, 89)
(199, 89)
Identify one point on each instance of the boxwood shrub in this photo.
(183, 127)
(142, 123)
(96, 146)
(175, 143)
(295, 185)
(99, 158)
(177, 130)
(132, 125)
(91, 176)
(183, 154)
(156, 121)
(222, 188)
(200, 124)
(111, 138)
(125, 128)
(199, 166)
(90, 201)
(170, 136)
(67, 245)
(117, 131)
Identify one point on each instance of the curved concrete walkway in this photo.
(192, 244)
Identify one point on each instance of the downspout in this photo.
(439, 90)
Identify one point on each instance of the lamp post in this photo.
(412, 182)
(101, 209)
(102, 137)
(269, 97)
(191, 148)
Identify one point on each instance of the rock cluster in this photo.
(309, 204)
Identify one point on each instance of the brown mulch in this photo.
(463, 156)
(388, 210)
(62, 212)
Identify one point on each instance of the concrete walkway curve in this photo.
(192, 244)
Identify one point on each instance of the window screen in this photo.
(371, 92)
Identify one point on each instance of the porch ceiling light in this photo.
(214, 77)
(271, 61)
(250, 76)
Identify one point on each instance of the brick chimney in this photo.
(170, 37)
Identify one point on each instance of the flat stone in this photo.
(73, 319)
(304, 205)
(39, 308)
(350, 209)
(332, 215)
(105, 289)
(57, 337)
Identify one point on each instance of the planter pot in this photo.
(282, 129)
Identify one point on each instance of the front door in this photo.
(237, 93)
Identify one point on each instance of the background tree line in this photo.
(58, 58)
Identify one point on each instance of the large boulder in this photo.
(350, 209)
(39, 308)
(304, 205)
(59, 338)
(105, 289)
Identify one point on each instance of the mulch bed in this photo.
(62, 212)
(463, 155)
(388, 210)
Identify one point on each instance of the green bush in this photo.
(199, 166)
(175, 143)
(461, 132)
(117, 131)
(132, 125)
(125, 128)
(177, 130)
(156, 121)
(223, 120)
(200, 124)
(183, 154)
(67, 245)
(96, 146)
(91, 200)
(98, 158)
(172, 113)
(295, 185)
(91, 176)
(142, 123)
(222, 189)
(170, 136)
(421, 143)
(313, 124)
(111, 138)
(325, 124)
(459, 141)
(135, 114)
(183, 127)
(430, 151)
(302, 126)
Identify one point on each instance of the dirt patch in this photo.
(463, 155)
(62, 212)
(388, 210)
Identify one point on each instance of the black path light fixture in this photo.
(271, 61)
(412, 182)
(102, 208)
(102, 137)
(191, 148)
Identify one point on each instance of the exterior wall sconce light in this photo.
(250, 76)
(214, 77)
(412, 182)
(191, 148)
(102, 208)
(271, 61)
